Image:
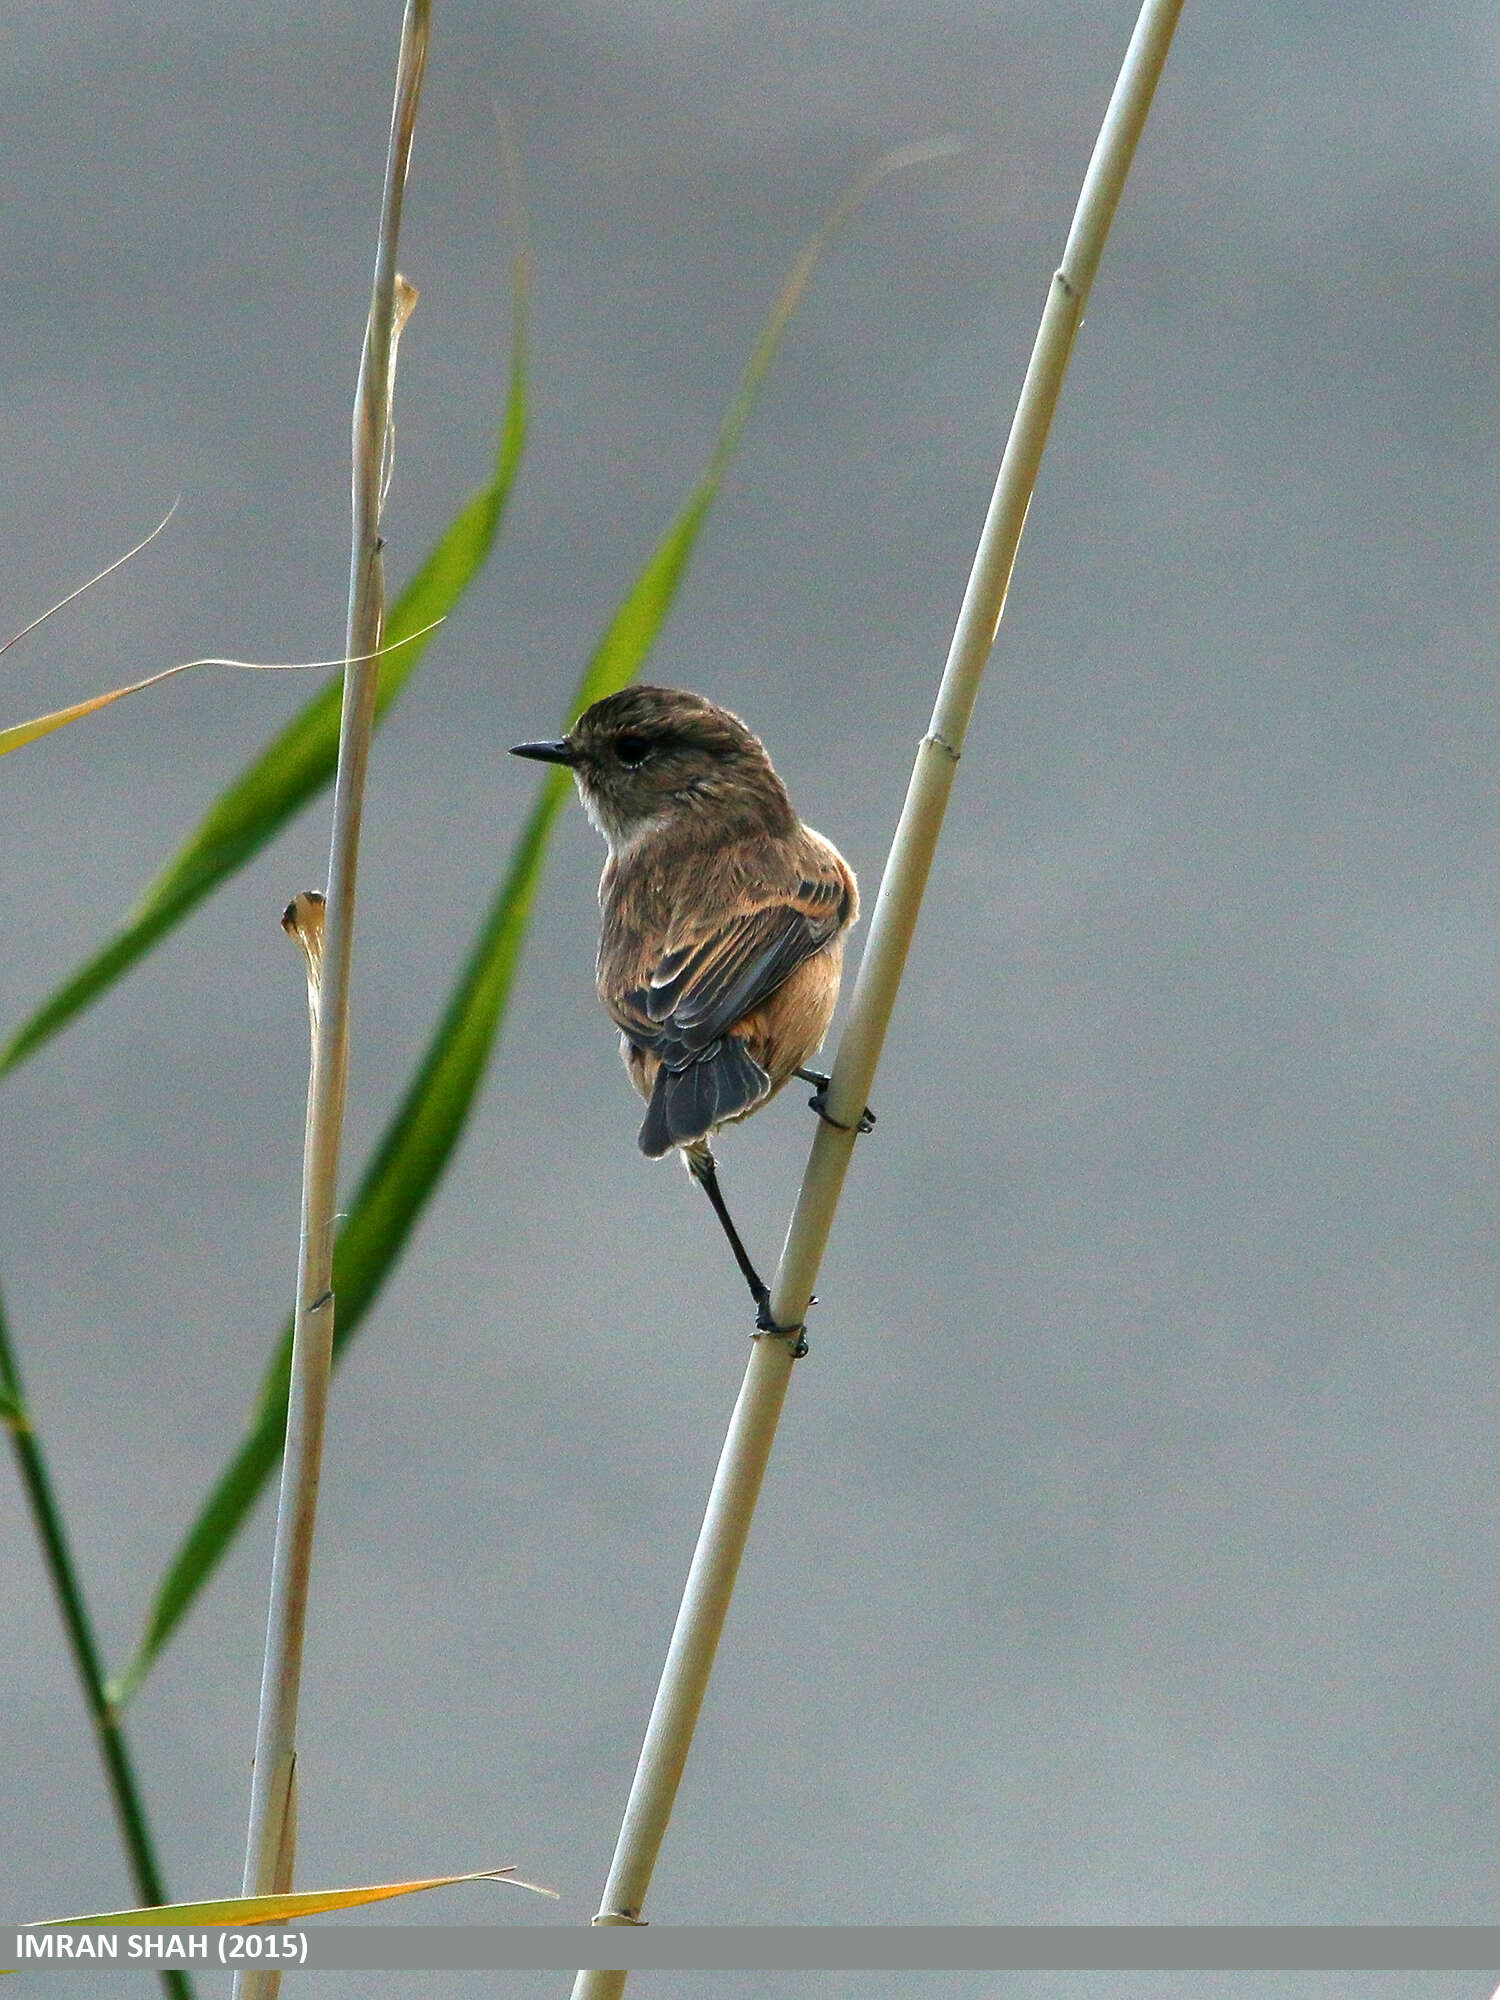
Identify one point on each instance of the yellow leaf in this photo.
(21, 733)
(282, 1909)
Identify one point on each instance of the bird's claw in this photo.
(765, 1323)
(819, 1102)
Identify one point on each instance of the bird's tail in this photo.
(686, 1104)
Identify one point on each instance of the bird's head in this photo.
(649, 756)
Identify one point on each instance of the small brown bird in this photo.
(723, 926)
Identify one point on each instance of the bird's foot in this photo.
(819, 1102)
(764, 1323)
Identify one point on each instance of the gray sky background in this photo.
(1129, 1548)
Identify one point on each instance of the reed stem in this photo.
(271, 1837)
(752, 1430)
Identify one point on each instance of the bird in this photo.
(723, 921)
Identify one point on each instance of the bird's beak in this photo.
(558, 752)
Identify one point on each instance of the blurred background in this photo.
(1129, 1547)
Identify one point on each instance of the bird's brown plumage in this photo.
(723, 915)
(745, 957)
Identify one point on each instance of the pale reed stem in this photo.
(752, 1428)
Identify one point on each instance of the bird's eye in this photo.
(631, 750)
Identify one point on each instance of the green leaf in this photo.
(406, 1167)
(299, 762)
(421, 1137)
(57, 1558)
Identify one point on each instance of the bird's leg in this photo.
(702, 1167)
(704, 1171)
(819, 1102)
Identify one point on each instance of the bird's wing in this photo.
(711, 973)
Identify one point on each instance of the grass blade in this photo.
(407, 1165)
(427, 1125)
(300, 761)
(98, 577)
(18, 734)
(282, 1909)
(67, 1585)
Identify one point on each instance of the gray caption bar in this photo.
(800, 1948)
